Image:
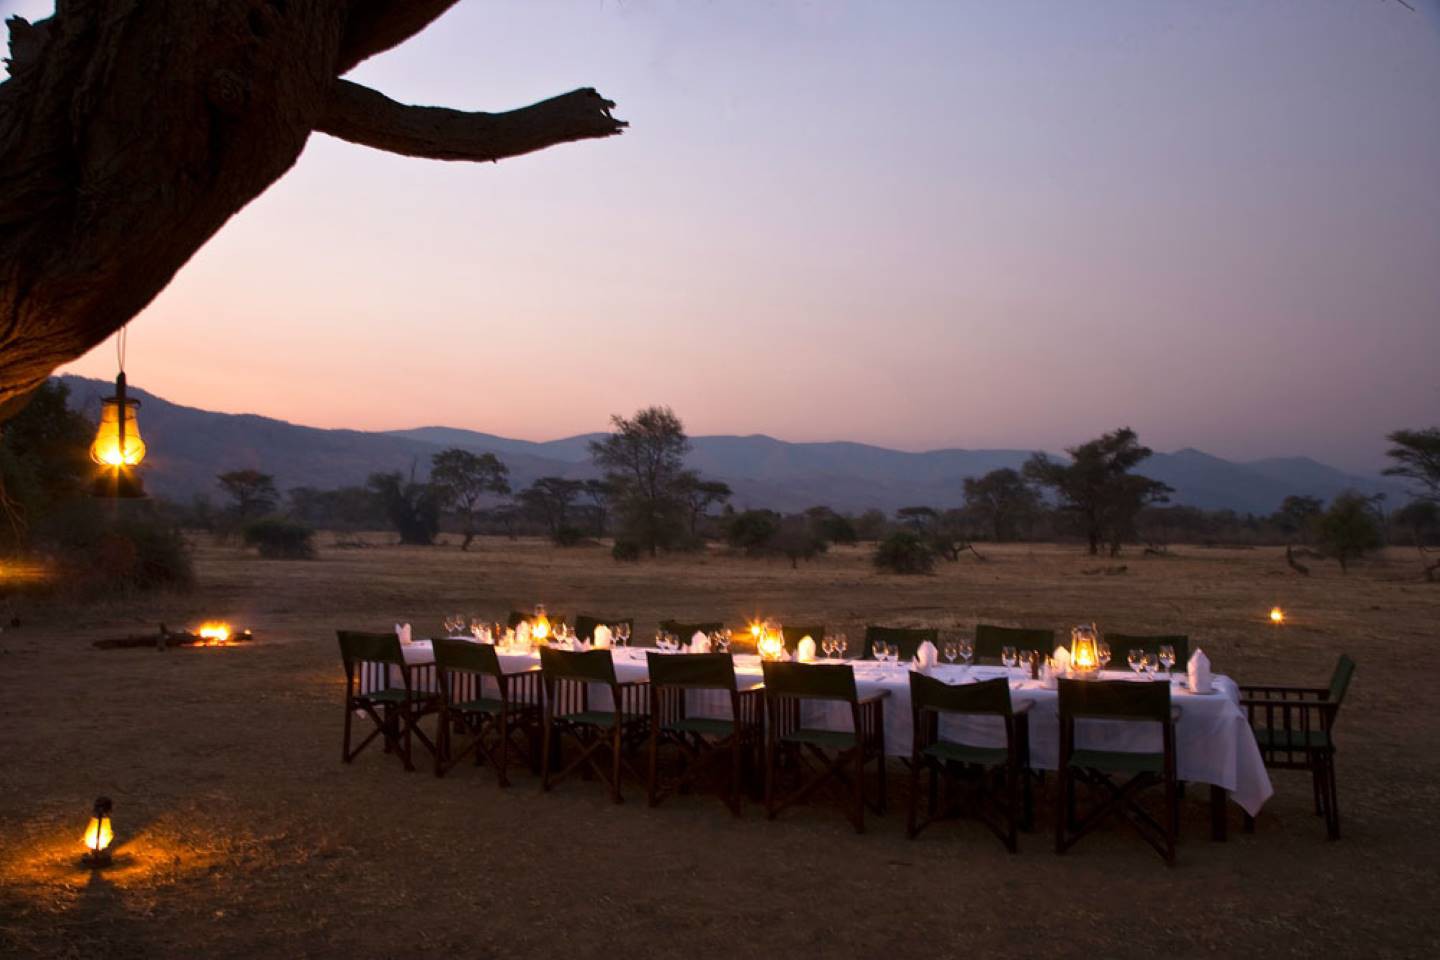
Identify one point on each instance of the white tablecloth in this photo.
(1213, 740)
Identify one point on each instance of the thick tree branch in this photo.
(363, 116)
(375, 26)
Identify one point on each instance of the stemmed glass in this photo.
(1149, 664)
(827, 644)
(842, 643)
(950, 651)
(1102, 653)
(622, 630)
(1009, 657)
(1136, 659)
(883, 653)
(1167, 660)
(966, 648)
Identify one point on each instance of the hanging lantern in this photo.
(1084, 649)
(99, 834)
(540, 625)
(118, 447)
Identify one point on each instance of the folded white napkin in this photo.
(402, 630)
(1061, 660)
(1199, 671)
(602, 637)
(926, 656)
(699, 643)
(805, 649)
(522, 632)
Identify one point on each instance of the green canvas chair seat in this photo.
(1122, 643)
(907, 639)
(790, 637)
(700, 744)
(598, 718)
(686, 629)
(1116, 700)
(1295, 727)
(788, 688)
(1000, 773)
(991, 640)
(389, 695)
(585, 625)
(569, 676)
(373, 659)
(494, 722)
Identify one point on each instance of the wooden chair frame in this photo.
(1306, 717)
(908, 639)
(668, 694)
(785, 692)
(568, 677)
(369, 659)
(990, 640)
(1117, 799)
(927, 705)
(492, 733)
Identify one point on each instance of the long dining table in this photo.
(1214, 743)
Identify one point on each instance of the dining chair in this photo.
(1127, 702)
(685, 631)
(991, 640)
(907, 639)
(790, 688)
(999, 772)
(1294, 728)
(373, 661)
(1122, 643)
(463, 667)
(585, 625)
(703, 743)
(791, 636)
(569, 677)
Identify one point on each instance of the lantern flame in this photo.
(1277, 616)
(1084, 649)
(107, 450)
(769, 640)
(540, 626)
(98, 835)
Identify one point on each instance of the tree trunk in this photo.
(131, 131)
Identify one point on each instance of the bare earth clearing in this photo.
(240, 834)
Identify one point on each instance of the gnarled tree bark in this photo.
(131, 130)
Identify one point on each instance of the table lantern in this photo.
(99, 834)
(540, 625)
(1084, 649)
(769, 640)
(1277, 616)
(118, 447)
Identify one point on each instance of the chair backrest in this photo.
(809, 681)
(590, 666)
(1114, 700)
(1122, 643)
(986, 696)
(516, 618)
(697, 671)
(990, 640)
(360, 647)
(908, 639)
(585, 624)
(466, 656)
(685, 630)
(1340, 679)
(791, 636)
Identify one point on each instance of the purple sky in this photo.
(915, 224)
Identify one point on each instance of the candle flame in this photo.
(1277, 616)
(98, 834)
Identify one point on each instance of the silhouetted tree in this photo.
(462, 479)
(254, 493)
(1417, 457)
(796, 540)
(1002, 500)
(1348, 529)
(598, 492)
(872, 525)
(644, 460)
(831, 526)
(698, 496)
(43, 460)
(1097, 486)
(549, 499)
(1298, 515)
(752, 530)
(917, 518)
(905, 551)
(412, 508)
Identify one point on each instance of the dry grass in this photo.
(241, 835)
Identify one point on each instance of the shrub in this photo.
(281, 539)
(626, 551)
(99, 555)
(905, 551)
(568, 536)
(752, 530)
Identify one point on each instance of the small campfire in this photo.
(211, 633)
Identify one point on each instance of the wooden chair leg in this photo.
(349, 718)
(769, 779)
(1332, 805)
(615, 738)
(1316, 777)
(546, 767)
(502, 774)
(735, 772)
(1012, 806)
(652, 779)
(910, 829)
(1062, 780)
(1219, 814)
(860, 785)
(1172, 815)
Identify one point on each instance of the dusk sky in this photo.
(973, 224)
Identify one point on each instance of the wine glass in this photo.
(1136, 659)
(622, 630)
(827, 645)
(1167, 660)
(1150, 664)
(1102, 654)
(950, 651)
(842, 643)
(1009, 657)
(882, 651)
(966, 648)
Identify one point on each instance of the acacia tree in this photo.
(699, 495)
(1098, 487)
(549, 498)
(1417, 457)
(644, 461)
(462, 479)
(412, 508)
(1002, 500)
(1349, 528)
(254, 492)
(131, 132)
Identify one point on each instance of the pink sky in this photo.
(920, 225)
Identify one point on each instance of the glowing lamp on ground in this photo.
(1084, 649)
(1277, 616)
(540, 625)
(118, 447)
(214, 633)
(99, 834)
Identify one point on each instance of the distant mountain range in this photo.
(189, 446)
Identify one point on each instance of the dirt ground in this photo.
(240, 833)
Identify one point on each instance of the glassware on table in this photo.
(1150, 664)
(966, 648)
(842, 643)
(1102, 653)
(1167, 660)
(1009, 657)
(951, 651)
(827, 645)
(1136, 659)
(882, 651)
